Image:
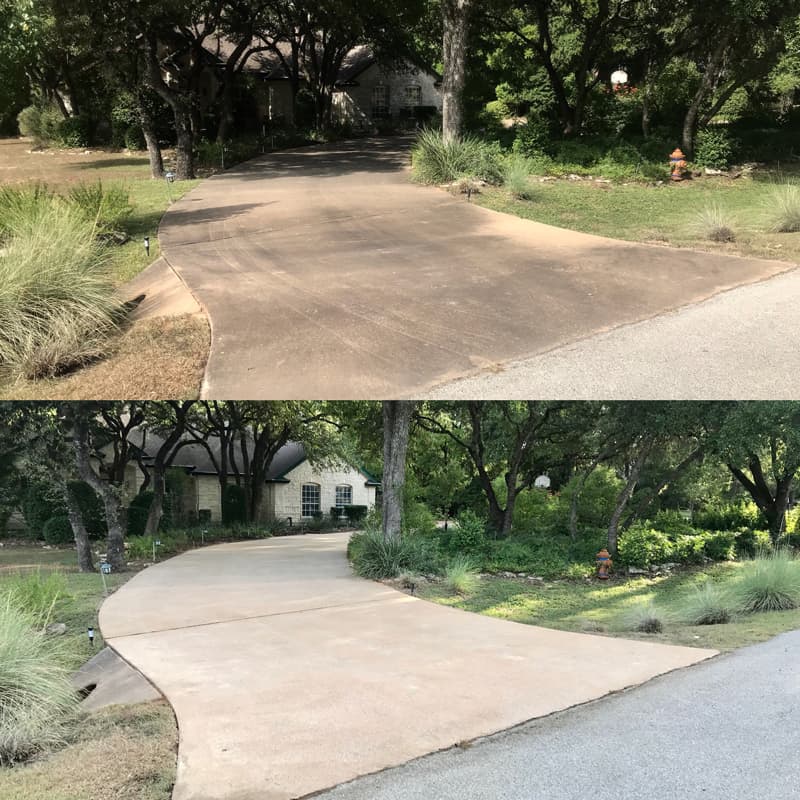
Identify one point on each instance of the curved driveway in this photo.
(326, 273)
(288, 675)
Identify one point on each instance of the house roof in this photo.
(195, 458)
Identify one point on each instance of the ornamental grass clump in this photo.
(434, 160)
(709, 604)
(768, 583)
(645, 617)
(374, 556)
(57, 303)
(36, 698)
(783, 209)
(715, 224)
(517, 178)
(460, 575)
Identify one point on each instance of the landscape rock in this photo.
(637, 571)
(56, 629)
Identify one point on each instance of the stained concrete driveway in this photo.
(289, 675)
(326, 273)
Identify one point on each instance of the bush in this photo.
(40, 502)
(138, 511)
(91, 508)
(708, 605)
(721, 546)
(74, 132)
(791, 540)
(750, 543)
(517, 178)
(689, 549)
(435, 161)
(713, 148)
(234, 504)
(729, 517)
(375, 557)
(418, 519)
(468, 535)
(58, 530)
(715, 224)
(533, 138)
(107, 208)
(768, 583)
(356, 514)
(460, 575)
(37, 696)
(57, 298)
(673, 523)
(783, 209)
(642, 546)
(43, 125)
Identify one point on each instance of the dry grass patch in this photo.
(124, 752)
(161, 358)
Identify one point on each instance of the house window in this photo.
(380, 101)
(344, 496)
(310, 499)
(413, 96)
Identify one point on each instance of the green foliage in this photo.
(750, 543)
(517, 178)
(689, 549)
(418, 519)
(356, 514)
(460, 575)
(715, 224)
(673, 523)
(57, 300)
(709, 604)
(537, 511)
(728, 517)
(435, 161)
(138, 511)
(468, 535)
(375, 557)
(234, 504)
(37, 696)
(533, 138)
(74, 132)
(36, 594)
(791, 540)
(768, 583)
(713, 148)
(646, 617)
(58, 530)
(721, 546)
(41, 501)
(91, 508)
(783, 209)
(641, 546)
(40, 124)
(108, 208)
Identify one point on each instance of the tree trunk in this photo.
(157, 506)
(151, 140)
(115, 541)
(576, 496)
(184, 155)
(707, 86)
(625, 496)
(454, 46)
(82, 545)
(772, 505)
(396, 426)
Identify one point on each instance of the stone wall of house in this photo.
(354, 104)
(286, 498)
(208, 495)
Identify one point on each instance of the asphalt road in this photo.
(326, 272)
(723, 730)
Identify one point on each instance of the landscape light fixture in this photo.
(169, 177)
(90, 633)
(147, 245)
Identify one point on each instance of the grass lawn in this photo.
(124, 752)
(592, 606)
(664, 214)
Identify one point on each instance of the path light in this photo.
(619, 77)
(169, 177)
(156, 543)
(90, 634)
(604, 564)
(147, 245)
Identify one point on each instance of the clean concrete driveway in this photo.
(726, 730)
(289, 675)
(326, 273)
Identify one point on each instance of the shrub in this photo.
(578, 153)
(645, 617)
(91, 508)
(750, 543)
(708, 605)
(729, 517)
(43, 125)
(783, 209)
(517, 178)
(721, 546)
(642, 546)
(107, 208)
(768, 583)
(29, 121)
(234, 502)
(58, 530)
(375, 557)
(468, 535)
(435, 161)
(533, 138)
(57, 299)
(715, 224)
(418, 519)
(689, 549)
(713, 148)
(673, 523)
(356, 514)
(460, 575)
(74, 131)
(138, 511)
(40, 502)
(791, 540)
(134, 138)
(37, 696)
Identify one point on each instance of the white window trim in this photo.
(350, 492)
(303, 502)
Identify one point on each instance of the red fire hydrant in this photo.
(677, 164)
(604, 564)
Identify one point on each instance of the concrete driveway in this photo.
(326, 273)
(723, 731)
(288, 675)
